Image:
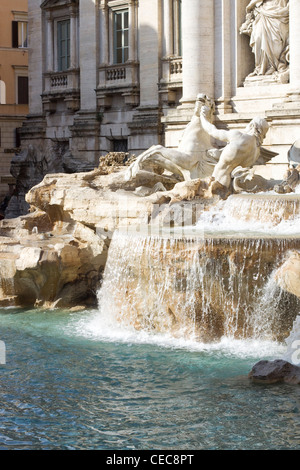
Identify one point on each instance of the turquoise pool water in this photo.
(72, 382)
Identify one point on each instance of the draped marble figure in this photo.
(267, 24)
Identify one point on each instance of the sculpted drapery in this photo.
(267, 24)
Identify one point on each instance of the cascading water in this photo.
(214, 283)
(201, 289)
(264, 214)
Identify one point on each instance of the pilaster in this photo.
(226, 62)
(88, 52)
(198, 49)
(145, 126)
(294, 94)
(35, 51)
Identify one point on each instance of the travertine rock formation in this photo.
(49, 263)
(55, 255)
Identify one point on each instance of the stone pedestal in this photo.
(84, 142)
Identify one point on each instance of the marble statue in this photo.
(294, 154)
(242, 149)
(194, 157)
(267, 24)
(203, 153)
(246, 180)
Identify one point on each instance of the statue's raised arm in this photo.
(253, 4)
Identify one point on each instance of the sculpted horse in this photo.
(194, 157)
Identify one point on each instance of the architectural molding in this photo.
(53, 4)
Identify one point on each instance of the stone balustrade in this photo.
(59, 81)
(118, 78)
(116, 73)
(56, 81)
(119, 75)
(175, 66)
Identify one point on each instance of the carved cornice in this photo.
(53, 4)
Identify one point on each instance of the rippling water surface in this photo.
(71, 382)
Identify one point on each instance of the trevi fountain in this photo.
(154, 302)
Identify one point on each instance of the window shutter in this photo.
(15, 38)
(22, 90)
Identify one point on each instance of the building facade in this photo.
(13, 83)
(122, 75)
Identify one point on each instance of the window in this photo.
(22, 90)
(63, 45)
(19, 34)
(121, 36)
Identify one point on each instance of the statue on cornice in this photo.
(267, 24)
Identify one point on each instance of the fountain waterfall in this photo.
(264, 213)
(214, 284)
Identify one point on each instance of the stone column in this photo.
(103, 34)
(177, 29)
(294, 45)
(198, 49)
(84, 142)
(132, 29)
(88, 54)
(168, 28)
(148, 47)
(145, 125)
(73, 42)
(49, 42)
(35, 71)
(226, 58)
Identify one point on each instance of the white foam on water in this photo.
(102, 327)
(258, 215)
